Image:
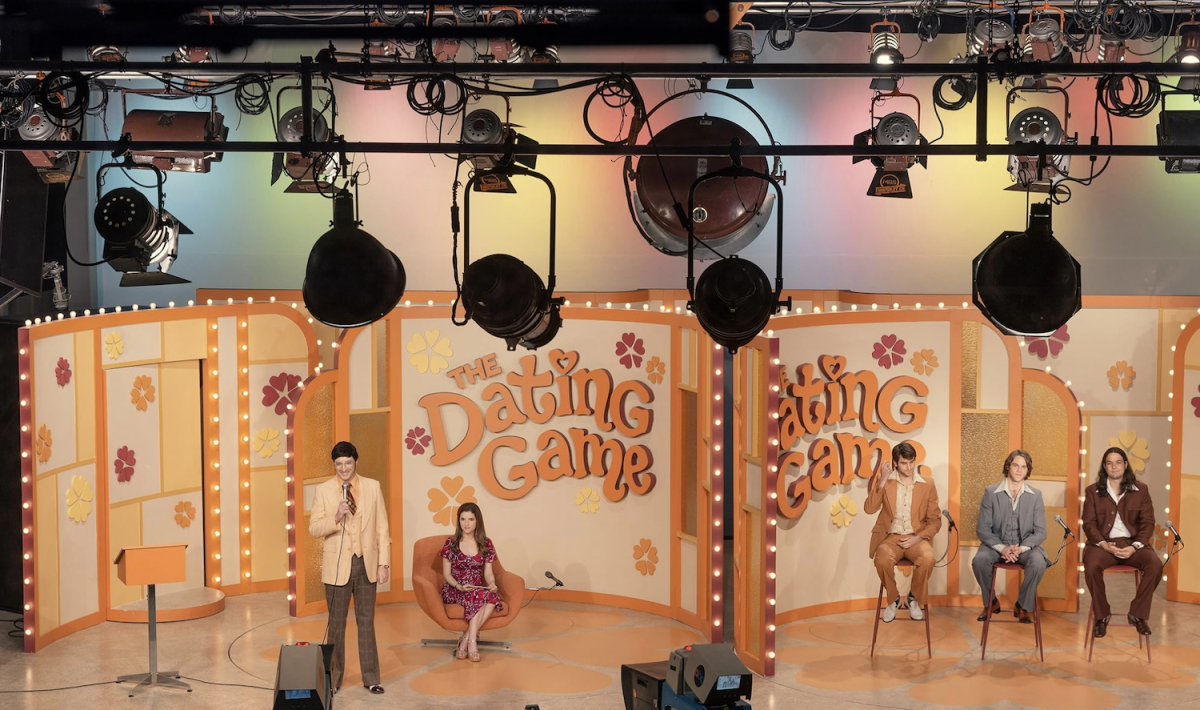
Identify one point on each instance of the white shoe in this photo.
(889, 612)
(914, 610)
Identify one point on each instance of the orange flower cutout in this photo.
(43, 443)
(657, 369)
(185, 513)
(444, 501)
(646, 556)
(142, 393)
(924, 362)
(1121, 375)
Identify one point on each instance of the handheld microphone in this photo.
(947, 514)
(1174, 532)
(557, 581)
(1066, 530)
(345, 488)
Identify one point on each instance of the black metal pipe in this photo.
(981, 108)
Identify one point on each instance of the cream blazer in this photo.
(376, 540)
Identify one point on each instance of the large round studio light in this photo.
(509, 300)
(1027, 283)
(291, 126)
(134, 230)
(733, 301)
(351, 279)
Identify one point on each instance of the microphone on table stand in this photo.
(1178, 537)
(952, 524)
(557, 581)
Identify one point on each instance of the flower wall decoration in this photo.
(185, 513)
(588, 500)
(142, 393)
(417, 440)
(657, 369)
(630, 350)
(843, 510)
(429, 352)
(646, 556)
(444, 501)
(124, 464)
(113, 345)
(1196, 405)
(1121, 375)
(281, 390)
(889, 351)
(266, 442)
(43, 443)
(924, 362)
(62, 373)
(79, 499)
(1136, 448)
(1048, 346)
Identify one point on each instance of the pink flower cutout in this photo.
(1048, 346)
(889, 351)
(417, 440)
(124, 464)
(630, 349)
(1196, 404)
(281, 392)
(62, 373)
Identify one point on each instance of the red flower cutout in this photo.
(124, 464)
(630, 349)
(62, 373)
(281, 392)
(1048, 346)
(417, 440)
(889, 351)
(1196, 404)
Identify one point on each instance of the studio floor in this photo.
(568, 657)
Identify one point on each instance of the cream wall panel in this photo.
(227, 327)
(140, 342)
(137, 430)
(1190, 452)
(84, 381)
(268, 518)
(1188, 570)
(180, 411)
(77, 546)
(124, 530)
(687, 345)
(185, 339)
(54, 405)
(275, 337)
(1152, 434)
(160, 527)
(50, 500)
(993, 370)
(263, 418)
(687, 575)
(359, 365)
(754, 484)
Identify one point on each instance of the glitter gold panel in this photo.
(380, 339)
(1054, 583)
(984, 446)
(314, 589)
(368, 433)
(1044, 431)
(970, 365)
(318, 433)
(752, 564)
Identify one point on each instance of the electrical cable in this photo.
(228, 685)
(65, 687)
(252, 94)
(781, 45)
(958, 87)
(66, 192)
(1145, 89)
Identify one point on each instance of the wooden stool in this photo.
(1091, 639)
(879, 607)
(987, 620)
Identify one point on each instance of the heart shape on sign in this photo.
(832, 365)
(564, 362)
(451, 485)
(889, 341)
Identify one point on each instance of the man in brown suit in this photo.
(909, 519)
(1118, 520)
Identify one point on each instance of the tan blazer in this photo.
(926, 513)
(376, 540)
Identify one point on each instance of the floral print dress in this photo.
(468, 569)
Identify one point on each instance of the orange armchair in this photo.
(427, 584)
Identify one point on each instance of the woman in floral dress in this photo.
(469, 582)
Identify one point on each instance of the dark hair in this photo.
(1028, 462)
(480, 536)
(1127, 481)
(903, 450)
(344, 448)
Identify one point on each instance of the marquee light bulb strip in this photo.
(771, 507)
(717, 485)
(24, 388)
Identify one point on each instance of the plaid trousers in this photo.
(337, 598)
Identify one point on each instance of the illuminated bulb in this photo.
(1168, 441)
(272, 299)
(774, 495)
(245, 507)
(245, 347)
(774, 442)
(216, 533)
(717, 498)
(854, 306)
(244, 438)
(1083, 428)
(25, 505)
(250, 299)
(246, 552)
(771, 575)
(318, 341)
(1082, 590)
(27, 555)
(774, 415)
(216, 464)
(715, 396)
(716, 548)
(918, 305)
(773, 521)
(289, 550)
(1171, 372)
(1083, 452)
(1047, 368)
(716, 347)
(244, 325)
(26, 531)
(833, 308)
(716, 447)
(431, 301)
(245, 484)
(290, 597)
(717, 622)
(217, 556)
(209, 302)
(287, 479)
(895, 305)
(770, 333)
(246, 530)
(24, 428)
(28, 580)
(217, 580)
(628, 306)
(771, 627)
(1172, 348)
(247, 574)
(216, 511)
(645, 306)
(28, 607)
(29, 631)
(245, 370)
(717, 422)
(772, 548)
(288, 526)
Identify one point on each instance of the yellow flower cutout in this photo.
(843, 510)
(646, 556)
(266, 442)
(113, 345)
(588, 500)
(79, 499)
(429, 352)
(43, 443)
(185, 513)
(142, 393)
(1137, 449)
(1121, 375)
(924, 362)
(444, 501)
(657, 369)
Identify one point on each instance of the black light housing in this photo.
(1178, 127)
(137, 234)
(351, 279)
(1027, 283)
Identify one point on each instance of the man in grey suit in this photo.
(1011, 528)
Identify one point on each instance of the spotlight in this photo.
(504, 50)
(1037, 124)
(198, 126)
(351, 279)
(310, 172)
(1027, 283)
(53, 166)
(136, 233)
(1178, 128)
(707, 676)
(445, 49)
(548, 55)
(885, 51)
(190, 55)
(741, 51)
(483, 127)
(894, 129)
(1188, 49)
(1112, 49)
(992, 38)
(1044, 40)
(103, 54)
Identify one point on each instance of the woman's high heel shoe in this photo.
(460, 652)
(474, 656)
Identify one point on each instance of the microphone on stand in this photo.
(557, 581)
(1066, 530)
(1174, 532)
(952, 524)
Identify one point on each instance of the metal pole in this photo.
(153, 614)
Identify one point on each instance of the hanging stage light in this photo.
(505, 50)
(53, 166)
(1037, 124)
(351, 278)
(136, 233)
(483, 127)
(445, 49)
(1178, 127)
(103, 54)
(1027, 283)
(195, 126)
(741, 51)
(311, 172)
(885, 51)
(190, 55)
(502, 294)
(1188, 49)
(1112, 49)
(894, 129)
(992, 38)
(1043, 40)
(548, 55)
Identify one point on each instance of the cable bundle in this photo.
(1146, 93)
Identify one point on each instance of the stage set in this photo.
(595, 462)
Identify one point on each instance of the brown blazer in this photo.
(1100, 512)
(926, 513)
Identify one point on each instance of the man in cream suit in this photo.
(1012, 528)
(349, 515)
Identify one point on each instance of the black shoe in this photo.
(1101, 627)
(377, 688)
(994, 610)
(1142, 627)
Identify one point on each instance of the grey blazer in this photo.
(995, 509)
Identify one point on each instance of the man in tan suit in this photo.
(349, 515)
(909, 519)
